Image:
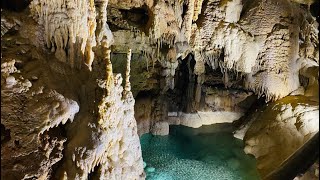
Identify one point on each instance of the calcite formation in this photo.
(250, 44)
(280, 129)
(29, 112)
(262, 46)
(76, 123)
(186, 62)
(111, 143)
(69, 28)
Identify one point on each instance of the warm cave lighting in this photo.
(160, 89)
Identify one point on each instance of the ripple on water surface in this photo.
(206, 153)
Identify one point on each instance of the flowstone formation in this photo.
(279, 129)
(186, 62)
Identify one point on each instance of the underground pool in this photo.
(206, 153)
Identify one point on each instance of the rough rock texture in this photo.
(312, 173)
(218, 107)
(279, 129)
(43, 90)
(30, 113)
(193, 62)
(265, 46)
(160, 128)
(71, 28)
(109, 142)
(6, 23)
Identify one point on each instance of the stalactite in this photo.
(65, 28)
(187, 21)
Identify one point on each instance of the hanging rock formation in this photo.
(186, 62)
(93, 132)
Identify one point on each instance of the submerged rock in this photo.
(150, 169)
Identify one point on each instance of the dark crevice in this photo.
(201, 17)
(60, 133)
(247, 5)
(213, 77)
(5, 135)
(183, 94)
(304, 81)
(258, 103)
(94, 174)
(145, 94)
(124, 19)
(15, 5)
(184, 10)
(314, 9)
(12, 32)
(135, 16)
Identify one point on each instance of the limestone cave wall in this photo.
(67, 113)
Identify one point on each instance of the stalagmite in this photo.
(77, 87)
(127, 87)
(109, 72)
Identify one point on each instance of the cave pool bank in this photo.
(206, 153)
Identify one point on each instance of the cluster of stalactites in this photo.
(70, 28)
(265, 51)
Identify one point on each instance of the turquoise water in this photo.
(206, 153)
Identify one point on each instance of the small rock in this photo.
(19, 42)
(233, 163)
(27, 83)
(34, 78)
(160, 128)
(150, 169)
(11, 80)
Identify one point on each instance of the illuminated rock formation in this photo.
(100, 138)
(32, 115)
(186, 62)
(69, 28)
(280, 129)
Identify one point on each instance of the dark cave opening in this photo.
(128, 19)
(184, 10)
(5, 134)
(145, 94)
(136, 16)
(15, 5)
(314, 9)
(185, 83)
(94, 174)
